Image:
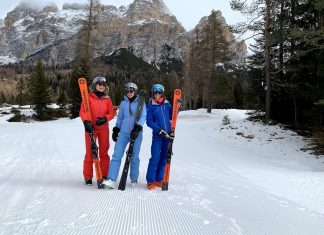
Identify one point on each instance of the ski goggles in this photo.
(129, 91)
(101, 83)
(100, 80)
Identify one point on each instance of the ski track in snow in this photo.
(42, 190)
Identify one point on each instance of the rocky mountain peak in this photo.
(50, 8)
(204, 19)
(156, 9)
(22, 10)
(239, 49)
(24, 6)
(27, 9)
(74, 6)
(44, 32)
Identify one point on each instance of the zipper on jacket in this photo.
(100, 104)
(99, 107)
(163, 118)
(130, 113)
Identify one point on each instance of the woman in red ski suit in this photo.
(102, 112)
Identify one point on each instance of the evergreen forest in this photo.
(282, 76)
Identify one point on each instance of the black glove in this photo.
(137, 129)
(88, 126)
(163, 134)
(115, 133)
(101, 120)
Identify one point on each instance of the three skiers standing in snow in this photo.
(158, 117)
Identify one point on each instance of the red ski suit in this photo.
(99, 108)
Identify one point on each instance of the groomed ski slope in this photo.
(221, 182)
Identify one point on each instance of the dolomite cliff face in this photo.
(51, 34)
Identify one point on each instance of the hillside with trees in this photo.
(283, 76)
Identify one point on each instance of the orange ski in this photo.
(175, 110)
(94, 149)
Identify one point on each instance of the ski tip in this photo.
(82, 80)
(177, 92)
(142, 93)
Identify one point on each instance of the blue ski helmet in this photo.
(157, 88)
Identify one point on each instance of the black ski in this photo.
(129, 152)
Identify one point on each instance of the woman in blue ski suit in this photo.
(159, 115)
(123, 131)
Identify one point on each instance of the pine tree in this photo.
(295, 46)
(193, 96)
(84, 54)
(62, 99)
(21, 90)
(39, 90)
(173, 82)
(209, 54)
(2, 98)
(260, 12)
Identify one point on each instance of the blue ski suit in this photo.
(126, 121)
(158, 117)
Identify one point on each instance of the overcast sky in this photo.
(188, 12)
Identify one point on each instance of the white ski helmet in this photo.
(130, 86)
(97, 80)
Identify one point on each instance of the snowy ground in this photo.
(258, 182)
